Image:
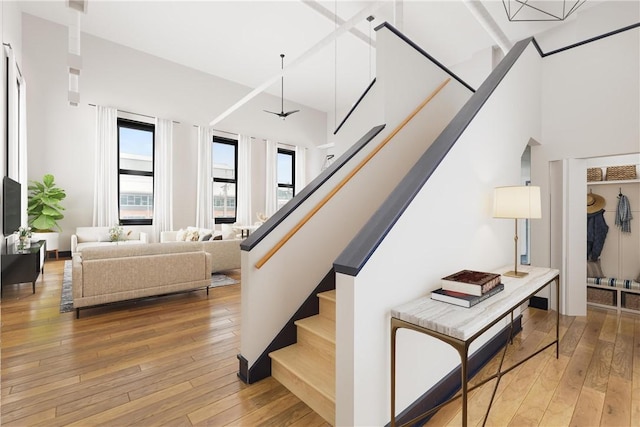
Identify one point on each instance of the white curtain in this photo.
(301, 168)
(13, 159)
(271, 179)
(204, 202)
(22, 144)
(163, 178)
(105, 192)
(243, 206)
(22, 140)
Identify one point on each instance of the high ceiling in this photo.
(242, 40)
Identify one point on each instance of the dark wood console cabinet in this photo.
(22, 266)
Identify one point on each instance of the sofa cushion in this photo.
(101, 234)
(91, 234)
(128, 249)
(103, 277)
(104, 237)
(82, 246)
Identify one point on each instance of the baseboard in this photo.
(288, 335)
(61, 254)
(539, 302)
(451, 383)
(243, 370)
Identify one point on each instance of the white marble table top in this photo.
(462, 322)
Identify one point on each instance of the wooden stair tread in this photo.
(320, 326)
(306, 365)
(328, 295)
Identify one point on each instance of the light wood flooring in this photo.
(165, 361)
(172, 361)
(594, 382)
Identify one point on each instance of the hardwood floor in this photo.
(172, 361)
(165, 361)
(595, 381)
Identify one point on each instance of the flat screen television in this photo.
(11, 206)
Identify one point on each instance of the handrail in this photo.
(356, 254)
(587, 41)
(350, 175)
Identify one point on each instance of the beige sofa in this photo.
(86, 237)
(116, 273)
(225, 254)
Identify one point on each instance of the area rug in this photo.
(66, 298)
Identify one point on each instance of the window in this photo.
(286, 177)
(224, 154)
(135, 172)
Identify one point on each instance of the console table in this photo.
(460, 326)
(22, 266)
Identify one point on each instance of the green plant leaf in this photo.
(44, 208)
(48, 180)
(44, 223)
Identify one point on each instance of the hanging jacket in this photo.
(596, 234)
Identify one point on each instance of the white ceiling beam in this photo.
(346, 26)
(313, 4)
(398, 14)
(481, 14)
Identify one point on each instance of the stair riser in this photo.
(322, 347)
(328, 309)
(316, 400)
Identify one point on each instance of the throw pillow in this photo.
(228, 232)
(104, 237)
(204, 237)
(180, 235)
(191, 236)
(217, 237)
(204, 231)
(594, 269)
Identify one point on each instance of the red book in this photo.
(471, 282)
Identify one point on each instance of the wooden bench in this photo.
(610, 292)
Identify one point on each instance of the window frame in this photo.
(148, 127)
(234, 181)
(292, 186)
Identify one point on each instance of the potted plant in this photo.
(44, 210)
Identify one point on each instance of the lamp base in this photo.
(515, 274)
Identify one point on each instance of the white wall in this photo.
(447, 227)
(590, 108)
(62, 137)
(590, 22)
(297, 268)
(476, 69)
(11, 33)
(12, 28)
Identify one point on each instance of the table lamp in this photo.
(516, 202)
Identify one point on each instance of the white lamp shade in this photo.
(517, 202)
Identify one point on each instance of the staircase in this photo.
(308, 368)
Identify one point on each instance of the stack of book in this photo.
(467, 288)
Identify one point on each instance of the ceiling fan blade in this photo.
(290, 112)
(271, 112)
